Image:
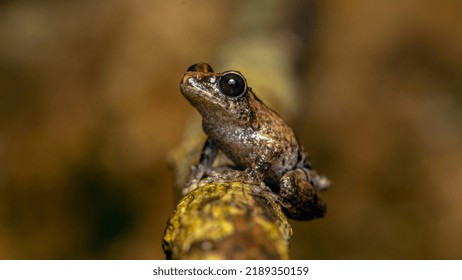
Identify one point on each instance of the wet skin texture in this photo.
(261, 144)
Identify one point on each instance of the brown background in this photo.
(90, 107)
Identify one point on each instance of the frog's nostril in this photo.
(192, 67)
(207, 68)
(200, 67)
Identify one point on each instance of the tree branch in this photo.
(227, 220)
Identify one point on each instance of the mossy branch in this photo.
(227, 220)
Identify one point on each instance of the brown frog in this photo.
(261, 144)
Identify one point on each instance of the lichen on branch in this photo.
(227, 220)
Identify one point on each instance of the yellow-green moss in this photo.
(209, 214)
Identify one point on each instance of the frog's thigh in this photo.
(299, 198)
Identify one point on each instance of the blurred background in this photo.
(90, 110)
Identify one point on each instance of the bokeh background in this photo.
(90, 110)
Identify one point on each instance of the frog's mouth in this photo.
(194, 78)
(198, 89)
(193, 84)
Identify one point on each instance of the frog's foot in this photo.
(189, 188)
(200, 176)
(228, 174)
(321, 183)
(257, 186)
(264, 191)
(195, 176)
(299, 198)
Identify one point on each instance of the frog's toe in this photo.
(189, 187)
(321, 183)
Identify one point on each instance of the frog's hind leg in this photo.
(299, 197)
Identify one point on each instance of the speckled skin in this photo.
(256, 139)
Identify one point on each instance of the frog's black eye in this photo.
(232, 84)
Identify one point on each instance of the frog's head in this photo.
(219, 97)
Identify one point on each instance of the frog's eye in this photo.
(232, 84)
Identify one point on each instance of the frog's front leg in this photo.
(298, 197)
(255, 174)
(269, 152)
(208, 155)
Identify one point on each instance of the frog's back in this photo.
(274, 132)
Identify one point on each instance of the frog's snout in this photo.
(200, 67)
(185, 80)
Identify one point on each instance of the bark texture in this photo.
(227, 220)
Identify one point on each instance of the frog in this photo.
(262, 146)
